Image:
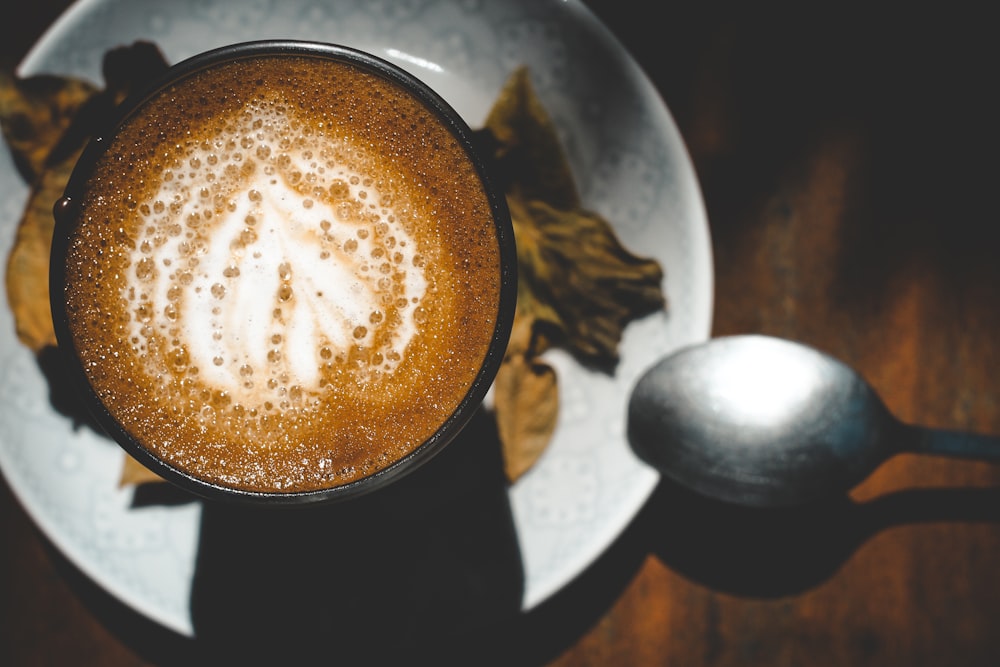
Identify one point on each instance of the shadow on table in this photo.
(778, 552)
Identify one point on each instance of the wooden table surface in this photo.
(848, 161)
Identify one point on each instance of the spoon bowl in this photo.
(766, 422)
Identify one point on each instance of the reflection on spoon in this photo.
(765, 422)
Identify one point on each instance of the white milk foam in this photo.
(265, 257)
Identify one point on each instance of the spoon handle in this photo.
(958, 444)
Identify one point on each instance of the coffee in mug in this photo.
(283, 273)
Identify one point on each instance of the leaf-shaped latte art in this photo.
(249, 307)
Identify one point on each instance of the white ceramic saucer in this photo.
(630, 164)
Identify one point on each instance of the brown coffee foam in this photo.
(356, 423)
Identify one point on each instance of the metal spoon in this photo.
(767, 422)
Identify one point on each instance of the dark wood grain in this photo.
(848, 160)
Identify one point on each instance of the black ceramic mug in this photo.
(282, 274)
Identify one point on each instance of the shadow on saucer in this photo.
(423, 571)
(63, 394)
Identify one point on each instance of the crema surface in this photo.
(285, 275)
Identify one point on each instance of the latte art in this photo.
(282, 273)
(262, 265)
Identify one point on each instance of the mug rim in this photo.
(66, 222)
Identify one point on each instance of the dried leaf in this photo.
(577, 281)
(526, 404)
(578, 286)
(46, 121)
(526, 147)
(28, 264)
(35, 114)
(134, 473)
